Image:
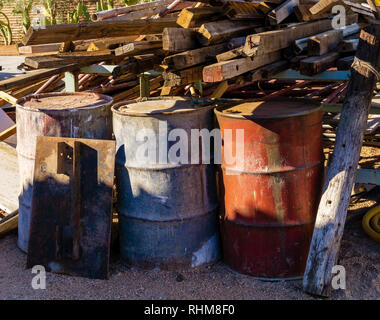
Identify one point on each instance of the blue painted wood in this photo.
(370, 176)
(71, 82)
(291, 74)
(104, 70)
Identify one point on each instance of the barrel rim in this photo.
(203, 102)
(108, 100)
(218, 110)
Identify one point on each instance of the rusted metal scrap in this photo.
(72, 206)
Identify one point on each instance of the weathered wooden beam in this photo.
(179, 39)
(270, 41)
(332, 211)
(80, 58)
(173, 6)
(284, 10)
(98, 16)
(195, 17)
(223, 30)
(323, 43)
(349, 45)
(25, 79)
(323, 6)
(231, 54)
(345, 63)
(268, 71)
(142, 14)
(137, 65)
(220, 90)
(191, 58)
(19, 92)
(8, 133)
(303, 13)
(244, 11)
(228, 69)
(358, 8)
(182, 77)
(95, 30)
(105, 43)
(8, 98)
(375, 9)
(138, 47)
(317, 64)
(40, 48)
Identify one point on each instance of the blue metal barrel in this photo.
(167, 209)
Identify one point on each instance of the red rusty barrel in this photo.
(71, 115)
(270, 200)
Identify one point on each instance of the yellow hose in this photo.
(375, 223)
(371, 223)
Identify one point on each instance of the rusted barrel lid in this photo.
(271, 109)
(64, 101)
(160, 105)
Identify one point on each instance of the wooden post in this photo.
(71, 81)
(342, 168)
(144, 86)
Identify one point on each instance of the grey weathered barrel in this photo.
(167, 210)
(70, 115)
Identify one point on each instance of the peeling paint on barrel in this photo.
(54, 115)
(167, 211)
(268, 209)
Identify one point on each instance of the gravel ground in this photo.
(359, 255)
(9, 66)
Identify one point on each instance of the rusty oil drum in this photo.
(69, 115)
(269, 203)
(167, 211)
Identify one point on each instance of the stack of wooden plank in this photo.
(193, 47)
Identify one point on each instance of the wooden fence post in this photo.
(342, 168)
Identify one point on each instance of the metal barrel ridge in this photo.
(270, 200)
(167, 209)
(69, 115)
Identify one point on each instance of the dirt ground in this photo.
(359, 254)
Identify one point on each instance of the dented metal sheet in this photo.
(71, 212)
(74, 115)
(270, 200)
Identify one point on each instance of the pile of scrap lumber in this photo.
(178, 47)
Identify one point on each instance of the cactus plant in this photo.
(50, 12)
(103, 5)
(5, 29)
(24, 8)
(81, 10)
